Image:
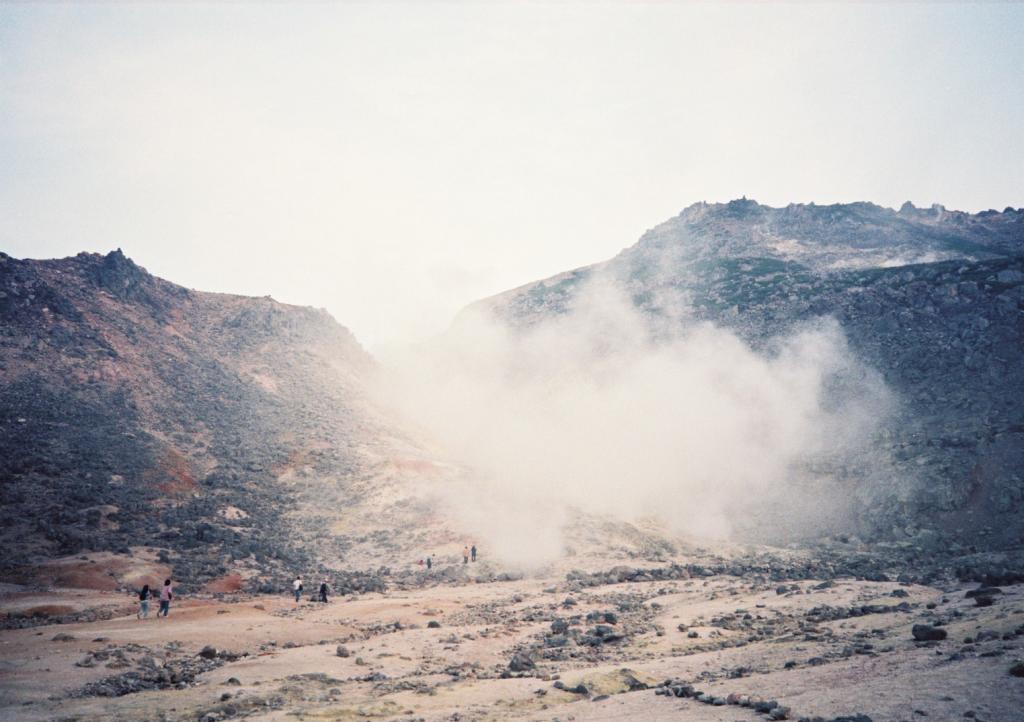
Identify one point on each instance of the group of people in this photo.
(167, 593)
(468, 555)
(297, 589)
(145, 594)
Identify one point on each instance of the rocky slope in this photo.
(932, 299)
(221, 433)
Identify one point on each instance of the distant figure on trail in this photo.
(323, 591)
(143, 603)
(465, 555)
(472, 553)
(420, 562)
(430, 562)
(166, 595)
(297, 588)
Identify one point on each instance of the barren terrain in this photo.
(676, 639)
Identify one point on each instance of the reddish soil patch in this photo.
(299, 456)
(174, 475)
(45, 610)
(418, 466)
(84, 576)
(227, 583)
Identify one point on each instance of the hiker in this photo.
(323, 591)
(472, 553)
(430, 562)
(465, 555)
(420, 562)
(143, 603)
(166, 595)
(297, 588)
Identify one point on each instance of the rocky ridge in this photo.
(212, 435)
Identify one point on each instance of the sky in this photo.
(393, 162)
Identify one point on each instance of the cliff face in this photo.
(932, 299)
(227, 432)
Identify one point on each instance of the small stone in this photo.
(341, 650)
(208, 652)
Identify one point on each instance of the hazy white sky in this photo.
(393, 162)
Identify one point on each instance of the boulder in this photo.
(928, 633)
(521, 662)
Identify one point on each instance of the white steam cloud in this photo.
(609, 411)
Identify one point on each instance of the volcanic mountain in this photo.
(930, 299)
(231, 436)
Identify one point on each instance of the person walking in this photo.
(472, 553)
(323, 591)
(465, 555)
(166, 595)
(144, 595)
(297, 588)
(430, 562)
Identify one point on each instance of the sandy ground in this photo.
(722, 634)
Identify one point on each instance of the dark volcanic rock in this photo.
(521, 662)
(928, 633)
(983, 592)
